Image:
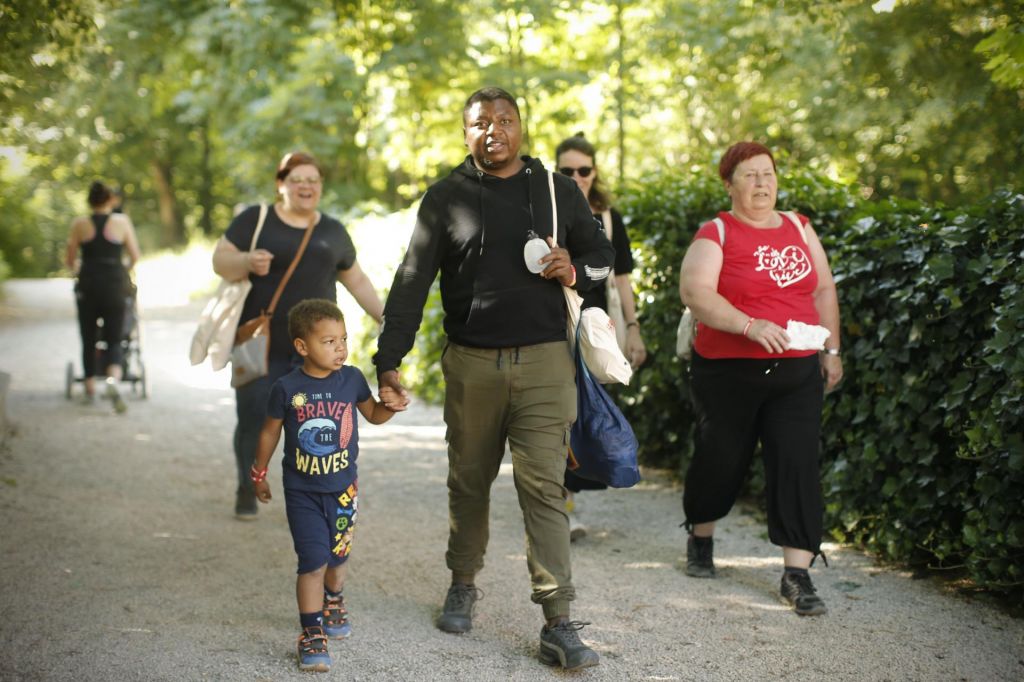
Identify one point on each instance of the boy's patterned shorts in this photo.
(322, 525)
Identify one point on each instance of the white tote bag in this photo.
(611, 291)
(598, 345)
(215, 334)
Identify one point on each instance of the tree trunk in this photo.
(205, 184)
(172, 231)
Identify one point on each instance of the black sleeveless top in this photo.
(101, 258)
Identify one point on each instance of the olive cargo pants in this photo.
(527, 397)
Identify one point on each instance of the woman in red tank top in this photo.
(746, 275)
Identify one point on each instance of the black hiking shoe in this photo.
(799, 592)
(699, 557)
(560, 645)
(457, 613)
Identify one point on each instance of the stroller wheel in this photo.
(69, 380)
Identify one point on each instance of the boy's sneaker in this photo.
(457, 612)
(114, 396)
(560, 645)
(798, 591)
(312, 649)
(700, 557)
(336, 623)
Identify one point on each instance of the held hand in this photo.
(262, 491)
(832, 370)
(258, 261)
(391, 392)
(636, 352)
(771, 336)
(559, 265)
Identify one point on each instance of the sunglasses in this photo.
(584, 171)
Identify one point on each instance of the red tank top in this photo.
(766, 273)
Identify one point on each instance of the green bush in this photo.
(923, 442)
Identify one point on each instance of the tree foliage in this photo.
(189, 103)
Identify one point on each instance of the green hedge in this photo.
(924, 441)
(923, 458)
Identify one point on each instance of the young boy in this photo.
(314, 403)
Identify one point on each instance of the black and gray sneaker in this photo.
(457, 613)
(561, 645)
(699, 557)
(799, 592)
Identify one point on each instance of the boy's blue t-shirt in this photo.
(321, 440)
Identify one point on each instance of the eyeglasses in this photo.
(302, 181)
(584, 171)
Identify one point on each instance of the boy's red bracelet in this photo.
(257, 475)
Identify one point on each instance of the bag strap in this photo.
(291, 268)
(259, 226)
(554, 209)
(606, 219)
(793, 218)
(721, 231)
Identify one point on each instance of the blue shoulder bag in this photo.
(602, 446)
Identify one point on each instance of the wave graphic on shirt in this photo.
(318, 437)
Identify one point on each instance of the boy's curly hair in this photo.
(304, 316)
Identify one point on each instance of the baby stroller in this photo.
(132, 369)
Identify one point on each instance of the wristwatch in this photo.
(832, 351)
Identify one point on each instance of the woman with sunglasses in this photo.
(329, 258)
(577, 159)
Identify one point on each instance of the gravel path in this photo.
(120, 558)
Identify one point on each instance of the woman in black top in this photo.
(102, 239)
(577, 159)
(330, 257)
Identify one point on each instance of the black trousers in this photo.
(101, 300)
(739, 403)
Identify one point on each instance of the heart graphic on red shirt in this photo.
(785, 267)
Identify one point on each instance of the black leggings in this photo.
(739, 402)
(96, 301)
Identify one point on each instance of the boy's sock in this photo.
(333, 595)
(311, 620)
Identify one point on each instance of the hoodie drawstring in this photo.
(483, 219)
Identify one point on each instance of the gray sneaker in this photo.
(797, 590)
(114, 396)
(699, 558)
(457, 613)
(560, 645)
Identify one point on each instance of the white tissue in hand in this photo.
(806, 336)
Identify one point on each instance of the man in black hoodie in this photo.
(508, 372)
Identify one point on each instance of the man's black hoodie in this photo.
(472, 226)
